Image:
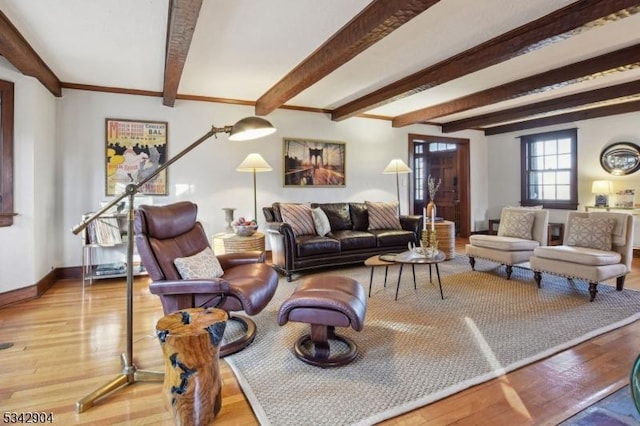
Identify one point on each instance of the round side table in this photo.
(231, 243)
(446, 236)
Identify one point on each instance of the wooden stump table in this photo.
(190, 340)
(446, 236)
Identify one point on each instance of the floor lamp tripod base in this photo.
(129, 375)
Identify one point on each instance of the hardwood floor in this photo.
(68, 343)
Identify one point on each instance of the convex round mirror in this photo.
(621, 158)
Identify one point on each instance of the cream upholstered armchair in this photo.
(597, 246)
(521, 230)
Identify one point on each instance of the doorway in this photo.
(447, 160)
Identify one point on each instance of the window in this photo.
(6, 153)
(418, 173)
(550, 170)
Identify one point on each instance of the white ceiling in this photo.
(241, 48)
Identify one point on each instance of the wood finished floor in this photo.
(68, 343)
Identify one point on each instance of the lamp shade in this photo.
(396, 166)
(601, 187)
(254, 163)
(250, 128)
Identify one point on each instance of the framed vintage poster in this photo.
(314, 163)
(134, 150)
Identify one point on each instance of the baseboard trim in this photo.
(41, 287)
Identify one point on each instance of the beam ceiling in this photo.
(563, 23)
(17, 51)
(375, 22)
(183, 16)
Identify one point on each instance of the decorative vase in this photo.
(228, 217)
(431, 209)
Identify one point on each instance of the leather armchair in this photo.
(164, 233)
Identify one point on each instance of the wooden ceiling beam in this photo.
(22, 56)
(183, 16)
(570, 117)
(379, 19)
(561, 24)
(618, 61)
(557, 104)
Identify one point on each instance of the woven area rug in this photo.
(420, 348)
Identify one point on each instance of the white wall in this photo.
(31, 247)
(207, 175)
(60, 166)
(593, 136)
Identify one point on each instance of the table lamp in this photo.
(602, 189)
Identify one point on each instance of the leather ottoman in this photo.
(325, 302)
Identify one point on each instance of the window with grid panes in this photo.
(550, 169)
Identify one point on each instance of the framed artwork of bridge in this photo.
(314, 163)
(133, 150)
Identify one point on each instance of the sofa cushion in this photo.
(590, 232)
(359, 216)
(299, 217)
(320, 221)
(383, 215)
(354, 240)
(393, 237)
(311, 245)
(516, 223)
(338, 214)
(202, 265)
(581, 255)
(503, 243)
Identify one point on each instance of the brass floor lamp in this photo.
(246, 129)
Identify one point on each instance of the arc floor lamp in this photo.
(246, 129)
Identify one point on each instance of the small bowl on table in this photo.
(245, 230)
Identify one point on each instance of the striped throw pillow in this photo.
(383, 215)
(299, 217)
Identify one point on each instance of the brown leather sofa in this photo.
(350, 240)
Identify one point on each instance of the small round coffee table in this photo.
(407, 257)
(373, 262)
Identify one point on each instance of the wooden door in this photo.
(443, 168)
(447, 159)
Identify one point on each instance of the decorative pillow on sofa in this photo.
(359, 216)
(299, 217)
(595, 233)
(203, 265)
(516, 224)
(338, 215)
(383, 215)
(321, 221)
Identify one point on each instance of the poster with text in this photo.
(134, 151)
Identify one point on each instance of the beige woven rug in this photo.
(420, 348)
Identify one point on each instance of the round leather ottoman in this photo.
(325, 302)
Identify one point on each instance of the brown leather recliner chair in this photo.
(164, 233)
